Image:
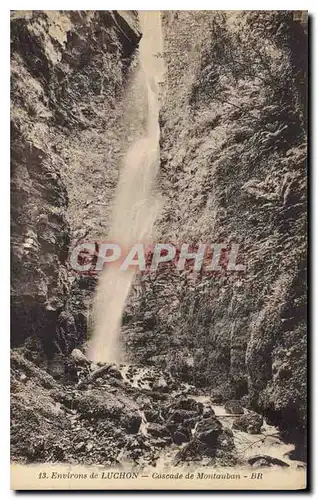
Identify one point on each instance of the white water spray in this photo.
(135, 205)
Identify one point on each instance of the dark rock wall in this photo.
(233, 169)
(69, 70)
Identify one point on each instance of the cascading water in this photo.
(136, 205)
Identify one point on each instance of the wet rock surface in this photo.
(208, 431)
(234, 407)
(266, 461)
(251, 422)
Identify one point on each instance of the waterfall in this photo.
(136, 204)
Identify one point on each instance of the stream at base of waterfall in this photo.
(258, 447)
(173, 423)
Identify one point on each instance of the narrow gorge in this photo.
(173, 127)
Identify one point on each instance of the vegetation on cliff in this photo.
(233, 168)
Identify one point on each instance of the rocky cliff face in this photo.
(68, 74)
(234, 137)
(233, 169)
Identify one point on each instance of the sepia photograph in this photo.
(158, 249)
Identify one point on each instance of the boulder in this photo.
(189, 404)
(158, 396)
(151, 415)
(184, 404)
(179, 416)
(115, 372)
(181, 436)
(160, 385)
(208, 431)
(234, 407)
(251, 422)
(131, 422)
(190, 423)
(266, 461)
(79, 358)
(194, 451)
(158, 430)
(208, 412)
(217, 397)
(95, 404)
(225, 440)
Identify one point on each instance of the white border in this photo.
(5, 195)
